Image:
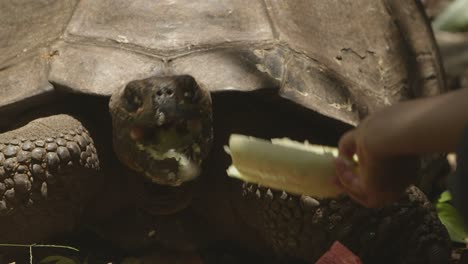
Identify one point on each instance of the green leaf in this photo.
(58, 260)
(445, 197)
(451, 219)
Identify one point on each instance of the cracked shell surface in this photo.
(311, 52)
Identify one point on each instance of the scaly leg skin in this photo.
(48, 170)
(407, 232)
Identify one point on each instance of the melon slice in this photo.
(284, 164)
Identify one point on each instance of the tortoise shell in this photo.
(341, 59)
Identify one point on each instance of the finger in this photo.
(359, 198)
(343, 165)
(349, 182)
(352, 185)
(347, 144)
(344, 173)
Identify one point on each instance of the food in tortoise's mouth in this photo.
(172, 156)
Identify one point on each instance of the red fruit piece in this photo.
(339, 254)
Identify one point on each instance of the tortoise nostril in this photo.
(165, 92)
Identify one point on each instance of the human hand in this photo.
(380, 178)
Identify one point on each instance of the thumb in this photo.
(347, 144)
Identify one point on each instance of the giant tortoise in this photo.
(114, 115)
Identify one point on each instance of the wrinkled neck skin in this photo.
(162, 130)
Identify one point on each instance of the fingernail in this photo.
(348, 162)
(348, 176)
(342, 165)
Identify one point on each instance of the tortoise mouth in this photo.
(169, 157)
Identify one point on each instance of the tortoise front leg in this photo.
(46, 175)
(407, 232)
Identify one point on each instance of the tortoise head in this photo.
(162, 127)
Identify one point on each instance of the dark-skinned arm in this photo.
(387, 141)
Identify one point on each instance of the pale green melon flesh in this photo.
(283, 164)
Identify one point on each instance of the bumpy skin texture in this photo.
(45, 169)
(297, 228)
(304, 227)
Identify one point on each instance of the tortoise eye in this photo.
(133, 98)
